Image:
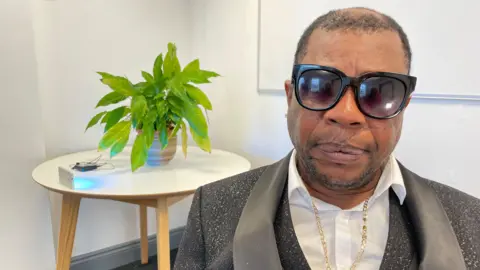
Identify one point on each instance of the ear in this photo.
(288, 91)
(408, 101)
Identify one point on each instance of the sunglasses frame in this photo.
(408, 81)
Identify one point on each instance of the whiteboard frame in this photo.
(457, 98)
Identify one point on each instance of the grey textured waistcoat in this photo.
(244, 222)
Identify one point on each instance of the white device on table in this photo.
(74, 179)
(66, 177)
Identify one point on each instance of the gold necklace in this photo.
(324, 243)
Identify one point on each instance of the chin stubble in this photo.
(328, 182)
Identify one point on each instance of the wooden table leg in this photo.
(163, 235)
(68, 225)
(143, 234)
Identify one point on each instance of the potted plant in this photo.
(158, 108)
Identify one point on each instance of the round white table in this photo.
(157, 187)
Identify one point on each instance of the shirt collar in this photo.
(391, 177)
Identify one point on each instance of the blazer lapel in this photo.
(291, 254)
(254, 243)
(400, 250)
(436, 243)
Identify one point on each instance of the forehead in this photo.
(356, 52)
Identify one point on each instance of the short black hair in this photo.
(344, 19)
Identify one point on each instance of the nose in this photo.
(346, 112)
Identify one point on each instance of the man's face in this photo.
(313, 132)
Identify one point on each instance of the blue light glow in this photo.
(85, 183)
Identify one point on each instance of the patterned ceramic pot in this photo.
(157, 156)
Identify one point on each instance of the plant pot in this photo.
(157, 156)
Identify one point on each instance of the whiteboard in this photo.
(439, 141)
(444, 36)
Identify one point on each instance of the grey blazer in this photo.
(243, 222)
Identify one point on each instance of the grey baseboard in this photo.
(122, 254)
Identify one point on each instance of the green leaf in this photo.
(148, 77)
(175, 130)
(149, 134)
(148, 127)
(111, 98)
(163, 137)
(140, 86)
(193, 66)
(105, 118)
(105, 75)
(161, 108)
(120, 144)
(196, 120)
(149, 90)
(95, 120)
(193, 73)
(177, 88)
(139, 152)
(202, 142)
(198, 96)
(139, 107)
(184, 138)
(175, 112)
(151, 116)
(174, 117)
(160, 95)
(171, 65)
(114, 135)
(176, 103)
(160, 85)
(127, 111)
(208, 74)
(163, 133)
(115, 116)
(119, 84)
(157, 68)
(202, 76)
(134, 122)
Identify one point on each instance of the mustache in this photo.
(346, 143)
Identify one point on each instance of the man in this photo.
(339, 200)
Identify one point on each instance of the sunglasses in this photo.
(380, 95)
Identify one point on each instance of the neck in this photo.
(344, 199)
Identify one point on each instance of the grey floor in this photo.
(151, 266)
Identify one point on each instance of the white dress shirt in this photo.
(342, 228)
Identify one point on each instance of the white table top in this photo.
(180, 176)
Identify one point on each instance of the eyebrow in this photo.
(366, 71)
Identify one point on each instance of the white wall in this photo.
(244, 121)
(26, 231)
(74, 39)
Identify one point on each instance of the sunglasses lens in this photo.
(381, 96)
(318, 89)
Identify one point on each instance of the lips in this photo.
(340, 154)
(331, 148)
